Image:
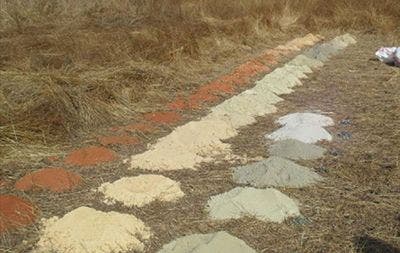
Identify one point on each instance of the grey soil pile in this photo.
(296, 150)
(268, 205)
(220, 242)
(275, 171)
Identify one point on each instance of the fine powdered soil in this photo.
(324, 51)
(275, 171)
(306, 118)
(220, 242)
(268, 205)
(187, 146)
(305, 127)
(141, 190)
(202, 141)
(296, 150)
(304, 133)
(86, 230)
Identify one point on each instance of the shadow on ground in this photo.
(366, 244)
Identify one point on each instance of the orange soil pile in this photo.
(240, 76)
(178, 104)
(15, 213)
(90, 156)
(52, 179)
(163, 117)
(227, 84)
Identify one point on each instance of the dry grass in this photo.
(70, 66)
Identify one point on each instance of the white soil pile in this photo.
(141, 190)
(306, 118)
(277, 172)
(264, 204)
(296, 150)
(202, 141)
(304, 127)
(220, 242)
(86, 230)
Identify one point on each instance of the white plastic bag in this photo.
(397, 57)
(389, 55)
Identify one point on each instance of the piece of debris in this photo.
(389, 55)
(344, 135)
(301, 220)
(335, 152)
(345, 122)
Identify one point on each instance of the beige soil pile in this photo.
(86, 230)
(141, 190)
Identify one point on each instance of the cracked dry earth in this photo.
(320, 193)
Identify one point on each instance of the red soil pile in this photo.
(270, 57)
(52, 179)
(163, 117)
(201, 97)
(90, 156)
(15, 213)
(178, 104)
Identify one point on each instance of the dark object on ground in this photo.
(335, 152)
(345, 122)
(367, 244)
(344, 135)
(322, 169)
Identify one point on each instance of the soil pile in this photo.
(141, 190)
(275, 171)
(265, 204)
(86, 230)
(305, 127)
(220, 242)
(296, 150)
(187, 146)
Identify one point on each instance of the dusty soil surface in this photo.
(358, 201)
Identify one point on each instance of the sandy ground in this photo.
(358, 198)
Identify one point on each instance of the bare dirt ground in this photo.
(358, 199)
